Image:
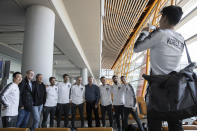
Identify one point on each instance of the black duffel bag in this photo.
(173, 96)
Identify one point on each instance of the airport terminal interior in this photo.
(88, 38)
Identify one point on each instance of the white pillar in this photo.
(39, 41)
(54, 72)
(84, 75)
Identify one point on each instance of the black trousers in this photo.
(74, 107)
(155, 124)
(107, 109)
(9, 121)
(90, 106)
(62, 108)
(127, 111)
(119, 111)
(46, 112)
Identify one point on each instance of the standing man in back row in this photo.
(92, 95)
(63, 103)
(166, 48)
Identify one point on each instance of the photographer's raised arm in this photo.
(147, 40)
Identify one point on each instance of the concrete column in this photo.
(39, 41)
(54, 72)
(84, 75)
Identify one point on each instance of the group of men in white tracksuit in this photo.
(123, 103)
(63, 96)
(58, 99)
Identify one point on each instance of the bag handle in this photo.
(187, 52)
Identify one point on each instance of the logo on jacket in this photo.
(175, 43)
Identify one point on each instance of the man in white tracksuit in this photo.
(78, 99)
(130, 104)
(63, 104)
(106, 101)
(118, 101)
(9, 97)
(51, 102)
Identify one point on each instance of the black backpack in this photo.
(173, 96)
(132, 127)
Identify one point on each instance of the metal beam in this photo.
(182, 3)
(188, 17)
(137, 30)
(191, 39)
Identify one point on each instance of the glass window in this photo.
(188, 29)
(187, 8)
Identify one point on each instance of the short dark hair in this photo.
(51, 78)
(173, 14)
(102, 77)
(122, 77)
(64, 75)
(38, 75)
(15, 74)
(114, 76)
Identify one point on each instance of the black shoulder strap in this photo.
(131, 88)
(5, 89)
(133, 93)
(187, 52)
(130, 85)
(2, 93)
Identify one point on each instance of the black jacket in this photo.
(39, 93)
(26, 99)
(92, 94)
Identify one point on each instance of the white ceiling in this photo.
(67, 56)
(85, 17)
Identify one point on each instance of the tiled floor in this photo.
(78, 123)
